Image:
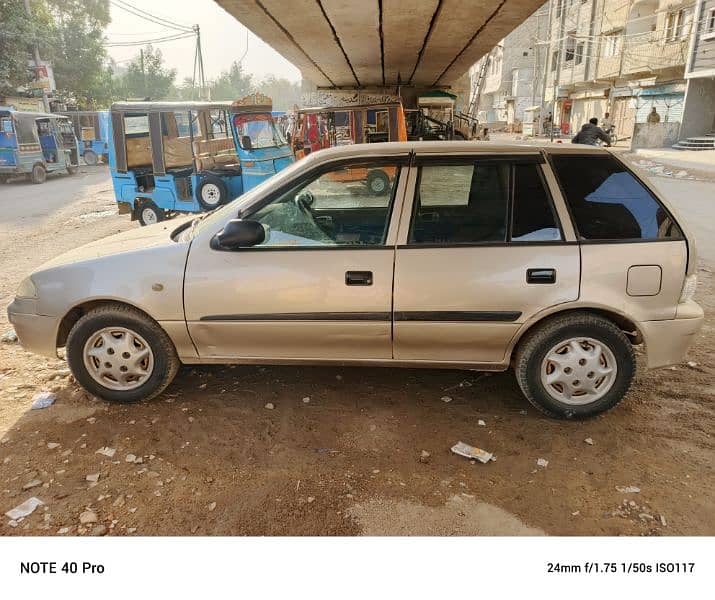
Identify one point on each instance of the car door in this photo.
(319, 287)
(480, 252)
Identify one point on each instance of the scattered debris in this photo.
(119, 502)
(91, 420)
(25, 509)
(446, 398)
(646, 517)
(9, 337)
(133, 530)
(130, 458)
(628, 489)
(339, 377)
(542, 462)
(589, 441)
(106, 451)
(212, 506)
(692, 364)
(87, 517)
(269, 406)
(306, 400)
(424, 456)
(43, 400)
(576, 513)
(52, 445)
(327, 451)
(31, 484)
(63, 530)
(481, 423)
(311, 499)
(663, 522)
(93, 477)
(471, 452)
(99, 530)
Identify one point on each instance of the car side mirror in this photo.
(246, 143)
(238, 233)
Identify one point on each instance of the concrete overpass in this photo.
(381, 43)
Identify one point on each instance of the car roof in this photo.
(458, 147)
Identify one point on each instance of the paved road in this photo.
(695, 203)
(23, 203)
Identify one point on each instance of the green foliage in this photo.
(154, 81)
(232, 84)
(284, 93)
(17, 32)
(75, 46)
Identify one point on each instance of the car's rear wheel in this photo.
(575, 366)
(119, 354)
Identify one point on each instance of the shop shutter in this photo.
(669, 107)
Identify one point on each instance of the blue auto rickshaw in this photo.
(185, 157)
(35, 144)
(91, 127)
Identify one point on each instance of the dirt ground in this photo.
(339, 454)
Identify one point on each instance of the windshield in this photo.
(260, 128)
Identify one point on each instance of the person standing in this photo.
(653, 117)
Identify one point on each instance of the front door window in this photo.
(346, 206)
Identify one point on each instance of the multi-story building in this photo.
(506, 81)
(698, 127)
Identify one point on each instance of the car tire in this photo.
(150, 214)
(38, 174)
(211, 192)
(575, 366)
(131, 332)
(90, 158)
(378, 182)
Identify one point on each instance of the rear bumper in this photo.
(37, 333)
(667, 342)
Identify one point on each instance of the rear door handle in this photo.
(541, 276)
(358, 278)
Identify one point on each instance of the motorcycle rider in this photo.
(590, 134)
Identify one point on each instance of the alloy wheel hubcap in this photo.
(210, 194)
(378, 185)
(578, 371)
(118, 358)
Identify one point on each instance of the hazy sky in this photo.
(223, 39)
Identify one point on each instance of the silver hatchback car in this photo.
(553, 260)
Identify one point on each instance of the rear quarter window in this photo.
(608, 202)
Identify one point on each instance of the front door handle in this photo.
(541, 276)
(358, 278)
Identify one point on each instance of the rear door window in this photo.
(607, 202)
(533, 218)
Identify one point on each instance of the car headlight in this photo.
(26, 289)
(689, 285)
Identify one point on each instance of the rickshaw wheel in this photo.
(90, 158)
(211, 192)
(378, 182)
(150, 213)
(38, 175)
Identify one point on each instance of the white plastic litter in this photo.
(106, 451)
(25, 509)
(43, 400)
(471, 452)
(542, 462)
(628, 489)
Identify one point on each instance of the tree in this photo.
(232, 84)
(285, 94)
(75, 47)
(17, 33)
(153, 81)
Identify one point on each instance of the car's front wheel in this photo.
(119, 354)
(575, 366)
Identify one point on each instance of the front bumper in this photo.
(37, 333)
(666, 342)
